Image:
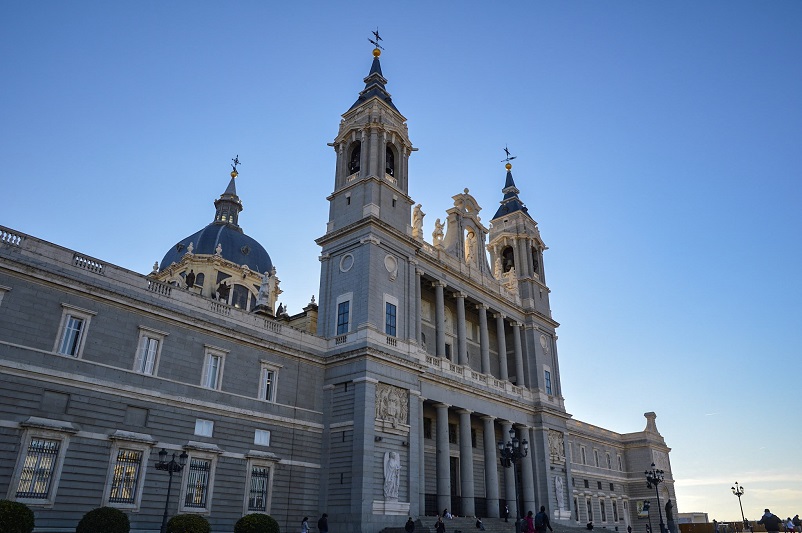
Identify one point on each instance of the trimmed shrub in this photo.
(15, 517)
(104, 520)
(256, 523)
(188, 523)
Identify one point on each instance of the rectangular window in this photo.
(620, 464)
(609, 462)
(38, 469)
(596, 457)
(590, 509)
(603, 511)
(268, 382)
(584, 457)
(598, 484)
(212, 377)
(148, 350)
(343, 316)
(389, 319)
(204, 428)
(213, 364)
(615, 512)
(548, 382)
(452, 433)
(587, 484)
(448, 351)
(197, 487)
(427, 428)
(257, 490)
(125, 478)
(473, 438)
(72, 331)
(71, 337)
(612, 487)
(261, 437)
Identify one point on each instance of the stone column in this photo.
(462, 344)
(491, 467)
(509, 472)
(440, 318)
(373, 167)
(527, 474)
(519, 354)
(466, 463)
(365, 471)
(522, 269)
(502, 347)
(421, 453)
(443, 458)
(484, 338)
(418, 307)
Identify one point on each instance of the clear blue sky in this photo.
(659, 147)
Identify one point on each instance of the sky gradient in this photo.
(659, 148)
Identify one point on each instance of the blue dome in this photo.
(237, 247)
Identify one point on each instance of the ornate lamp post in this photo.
(170, 467)
(653, 478)
(739, 491)
(510, 454)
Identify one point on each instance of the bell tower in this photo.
(368, 245)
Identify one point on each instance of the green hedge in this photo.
(256, 523)
(15, 517)
(188, 523)
(104, 520)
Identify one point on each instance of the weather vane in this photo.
(375, 42)
(236, 162)
(509, 157)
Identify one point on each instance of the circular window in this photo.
(346, 262)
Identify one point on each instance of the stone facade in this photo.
(385, 399)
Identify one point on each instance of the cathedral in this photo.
(424, 377)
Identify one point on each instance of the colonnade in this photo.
(468, 485)
(461, 356)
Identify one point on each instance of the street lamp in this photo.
(653, 478)
(738, 490)
(171, 467)
(510, 454)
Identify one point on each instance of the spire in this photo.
(375, 81)
(510, 203)
(229, 206)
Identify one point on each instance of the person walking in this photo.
(305, 525)
(770, 521)
(797, 524)
(506, 513)
(530, 523)
(479, 525)
(409, 527)
(323, 524)
(439, 526)
(542, 520)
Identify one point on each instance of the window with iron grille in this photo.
(197, 489)
(257, 492)
(37, 470)
(126, 476)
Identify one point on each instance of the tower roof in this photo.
(510, 203)
(374, 85)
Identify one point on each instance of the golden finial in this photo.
(509, 158)
(234, 172)
(377, 48)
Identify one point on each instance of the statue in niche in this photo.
(470, 247)
(559, 489)
(392, 404)
(392, 475)
(437, 234)
(417, 222)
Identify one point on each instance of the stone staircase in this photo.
(425, 524)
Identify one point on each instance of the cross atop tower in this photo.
(376, 39)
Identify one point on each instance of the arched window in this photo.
(536, 260)
(389, 157)
(199, 280)
(239, 298)
(356, 156)
(507, 258)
